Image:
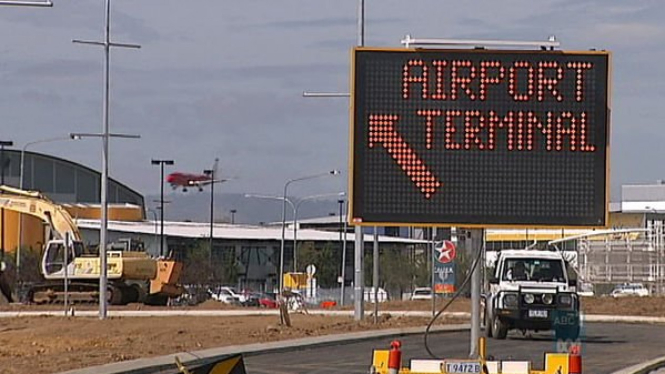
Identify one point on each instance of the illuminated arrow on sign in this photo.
(382, 130)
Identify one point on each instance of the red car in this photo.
(268, 301)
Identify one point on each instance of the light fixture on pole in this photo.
(295, 222)
(41, 4)
(161, 164)
(3, 166)
(281, 251)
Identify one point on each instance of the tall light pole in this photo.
(21, 186)
(154, 220)
(359, 243)
(212, 174)
(46, 3)
(161, 164)
(295, 221)
(107, 44)
(3, 144)
(281, 251)
(103, 226)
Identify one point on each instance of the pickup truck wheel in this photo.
(499, 328)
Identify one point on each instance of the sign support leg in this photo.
(475, 242)
(358, 276)
(432, 270)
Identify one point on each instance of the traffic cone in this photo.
(575, 360)
(394, 357)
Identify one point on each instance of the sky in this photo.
(224, 79)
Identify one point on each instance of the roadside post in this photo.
(67, 245)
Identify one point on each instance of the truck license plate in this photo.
(462, 367)
(537, 313)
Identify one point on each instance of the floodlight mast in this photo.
(106, 134)
(550, 43)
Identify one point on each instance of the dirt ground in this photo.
(628, 306)
(54, 344)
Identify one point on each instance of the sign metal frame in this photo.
(359, 221)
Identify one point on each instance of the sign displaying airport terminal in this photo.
(479, 137)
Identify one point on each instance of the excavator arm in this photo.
(38, 205)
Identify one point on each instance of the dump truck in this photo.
(132, 276)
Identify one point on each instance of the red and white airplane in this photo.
(186, 180)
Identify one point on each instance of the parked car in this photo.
(268, 301)
(193, 295)
(630, 289)
(242, 297)
(585, 289)
(381, 294)
(252, 299)
(225, 296)
(422, 293)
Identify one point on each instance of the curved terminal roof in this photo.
(231, 231)
(64, 181)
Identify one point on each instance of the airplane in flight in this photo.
(186, 180)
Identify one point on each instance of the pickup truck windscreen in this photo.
(535, 270)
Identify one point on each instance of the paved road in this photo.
(606, 348)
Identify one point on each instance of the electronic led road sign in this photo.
(479, 137)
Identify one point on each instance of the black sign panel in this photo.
(477, 137)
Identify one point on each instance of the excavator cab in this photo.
(54, 257)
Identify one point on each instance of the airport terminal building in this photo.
(607, 259)
(65, 182)
(253, 249)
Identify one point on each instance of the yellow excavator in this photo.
(132, 276)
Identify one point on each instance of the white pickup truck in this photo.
(529, 290)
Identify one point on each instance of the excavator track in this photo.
(81, 293)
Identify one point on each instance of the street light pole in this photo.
(358, 277)
(161, 164)
(281, 251)
(105, 150)
(211, 173)
(21, 186)
(295, 221)
(3, 144)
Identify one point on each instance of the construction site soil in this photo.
(53, 344)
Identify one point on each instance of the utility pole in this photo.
(3, 166)
(107, 44)
(212, 173)
(161, 164)
(358, 276)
